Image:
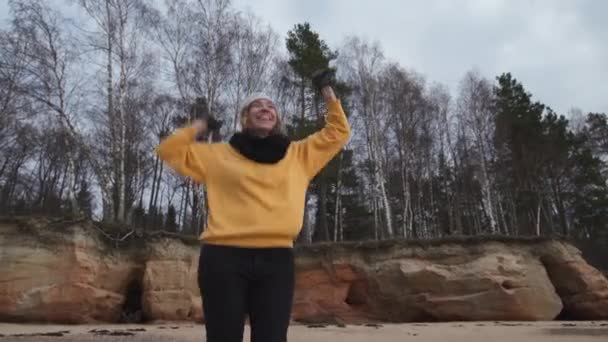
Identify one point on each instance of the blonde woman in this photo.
(256, 185)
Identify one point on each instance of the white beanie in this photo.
(251, 98)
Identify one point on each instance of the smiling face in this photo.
(261, 117)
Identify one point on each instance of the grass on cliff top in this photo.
(464, 240)
(57, 229)
(115, 235)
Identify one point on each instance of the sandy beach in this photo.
(420, 332)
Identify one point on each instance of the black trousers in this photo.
(238, 282)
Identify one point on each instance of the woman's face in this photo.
(262, 116)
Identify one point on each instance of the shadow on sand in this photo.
(586, 331)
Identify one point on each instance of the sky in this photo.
(558, 49)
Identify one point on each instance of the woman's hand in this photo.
(202, 125)
(323, 80)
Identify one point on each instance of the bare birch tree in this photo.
(254, 49)
(361, 63)
(475, 113)
(49, 62)
(406, 106)
(118, 38)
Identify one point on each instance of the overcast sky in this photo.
(557, 48)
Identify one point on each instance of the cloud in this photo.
(555, 48)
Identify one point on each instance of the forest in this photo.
(85, 100)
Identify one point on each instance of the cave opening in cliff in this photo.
(567, 315)
(132, 311)
(356, 294)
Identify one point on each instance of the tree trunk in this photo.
(152, 211)
(565, 226)
(11, 182)
(302, 102)
(158, 180)
(322, 180)
(194, 208)
(432, 217)
(204, 217)
(186, 204)
(372, 174)
(502, 214)
(376, 219)
(405, 192)
(306, 233)
(514, 220)
(322, 207)
(75, 208)
(338, 201)
(109, 199)
(380, 179)
(4, 166)
(122, 122)
(538, 218)
(182, 207)
(486, 189)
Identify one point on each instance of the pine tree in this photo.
(590, 195)
(171, 220)
(557, 145)
(84, 197)
(596, 131)
(518, 142)
(308, 53)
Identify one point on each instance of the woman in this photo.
(256, 187)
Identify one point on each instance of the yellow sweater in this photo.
(254, 204)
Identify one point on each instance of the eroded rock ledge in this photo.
(68, 272)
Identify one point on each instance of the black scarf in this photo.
(267, 150)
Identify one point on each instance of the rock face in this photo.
(69, 273)
(69, 277)
(488, 281)
(582, 288)
(170, 288)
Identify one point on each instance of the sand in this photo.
(421, 332)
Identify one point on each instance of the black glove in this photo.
(323, 77)
(213, 124)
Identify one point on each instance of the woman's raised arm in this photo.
(184, 154)
(316, 150)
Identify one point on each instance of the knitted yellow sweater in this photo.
(255, 204)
